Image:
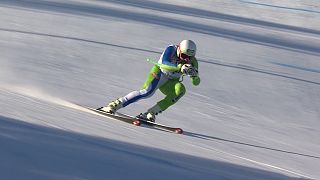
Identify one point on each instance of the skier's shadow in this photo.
(213, 138)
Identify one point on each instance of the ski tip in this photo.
(136, 122)
(178, 131)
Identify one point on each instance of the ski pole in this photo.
(163, 66)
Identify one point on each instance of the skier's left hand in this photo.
(195, 80)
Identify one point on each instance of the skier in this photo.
(175, 61)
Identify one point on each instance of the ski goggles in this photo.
(185, 55)
(185, 58)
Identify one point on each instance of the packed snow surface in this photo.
(255, 114)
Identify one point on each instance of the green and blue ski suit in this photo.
(165, 76)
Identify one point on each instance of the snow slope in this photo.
(255, 114)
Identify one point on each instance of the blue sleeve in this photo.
(167, 55)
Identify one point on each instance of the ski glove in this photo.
(195, 80)
(189, 70)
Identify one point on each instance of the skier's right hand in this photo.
(189, 70)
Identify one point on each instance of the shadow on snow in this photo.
(97, 11)
(36, 152)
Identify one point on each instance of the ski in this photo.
(117, 116)
(137, 121)
(155, 125)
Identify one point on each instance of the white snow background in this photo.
(254, 116)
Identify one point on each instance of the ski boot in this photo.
(147, 116)
(150, 115)
(112, 107)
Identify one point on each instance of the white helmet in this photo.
(186, 49)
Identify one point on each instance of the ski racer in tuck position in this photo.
(175, 61)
